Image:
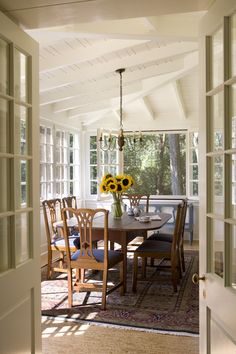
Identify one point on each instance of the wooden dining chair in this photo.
(88, 257)
(69, 202)
(168, 237)
(141, 201)
(162, 250)
(135, 200)
(55, 240)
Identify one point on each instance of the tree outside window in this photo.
(159, 166)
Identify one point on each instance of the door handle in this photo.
(196, 278)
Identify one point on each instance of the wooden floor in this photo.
(193, 247)
(66, 337)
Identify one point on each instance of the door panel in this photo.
(20, 330)
(217, 186)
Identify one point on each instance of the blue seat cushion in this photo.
(114, 257)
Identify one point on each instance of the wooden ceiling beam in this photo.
(179, 99)
(146, 58)
(148, 107)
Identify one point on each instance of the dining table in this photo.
(124, 229)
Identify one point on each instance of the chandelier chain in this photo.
(121, 110)
(110, 144)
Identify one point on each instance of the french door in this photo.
(217, 144)
(19, 192)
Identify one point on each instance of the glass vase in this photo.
(117, 209)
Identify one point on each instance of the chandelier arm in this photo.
(110, 145)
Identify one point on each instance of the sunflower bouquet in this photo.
(116, 185)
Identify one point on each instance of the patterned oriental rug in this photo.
(155, 306)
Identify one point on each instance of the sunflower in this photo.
(106, 176)
(103, 188)
(110, 180)
(119, 178)
(112, 187)
(116, 184)
(119, 187)
(127, 182)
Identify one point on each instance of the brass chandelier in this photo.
(121, 138)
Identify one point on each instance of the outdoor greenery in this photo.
(159, 165)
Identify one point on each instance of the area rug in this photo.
(155, 305)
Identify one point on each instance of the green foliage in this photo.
(150, 165)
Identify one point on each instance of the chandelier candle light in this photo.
(116, 186)
(121, 139)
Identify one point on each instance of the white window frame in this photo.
(66, 164)
(47, 164)
(189, 164)
(106, 197)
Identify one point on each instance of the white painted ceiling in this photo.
(82, 43)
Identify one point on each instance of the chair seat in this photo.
(114, 257)
(161, 237)
(154, 246)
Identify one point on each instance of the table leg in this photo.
(124, 250)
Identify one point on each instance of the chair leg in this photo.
(144, 265)
(135, 273)
(180, 269)
(122, 289)
(104, 289)
(49, 269)
(82, 275)
(70, 288)
(77, 274)
(182, 257)
(61, 260)
(174, 275)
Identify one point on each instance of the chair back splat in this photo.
(52, 214)
(89, 257)
(135, 200)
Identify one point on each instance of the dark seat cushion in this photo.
(114, 257)
(161, 237)
(154, 246)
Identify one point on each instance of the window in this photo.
(93, 166)
(62, 165)
(59, 163)
(193, 164)
(159, 167)
(46, 163)
(101, 162)
(74, 160)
